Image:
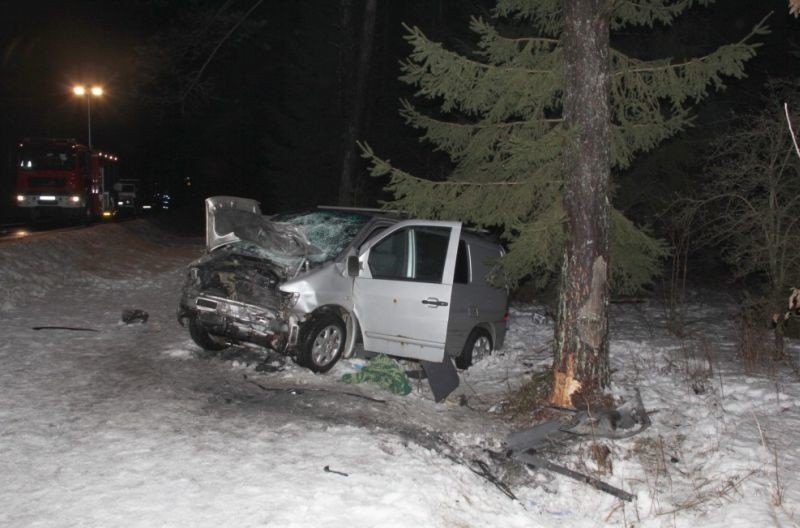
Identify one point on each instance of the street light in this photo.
(83, 91)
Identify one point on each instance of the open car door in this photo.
(402, 293)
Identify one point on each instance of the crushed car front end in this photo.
(236, 297)
(231, 293)
(262, 277)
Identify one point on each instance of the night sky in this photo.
(266, 120)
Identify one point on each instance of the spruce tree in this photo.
(535, 120)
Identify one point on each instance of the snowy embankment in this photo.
(119, 425)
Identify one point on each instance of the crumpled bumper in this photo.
(240, 322)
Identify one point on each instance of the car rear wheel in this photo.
(203, 339)
(322, 343)
(478, 346)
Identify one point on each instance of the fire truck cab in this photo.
(62, 178)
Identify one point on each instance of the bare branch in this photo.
(786, 111)
(230, 32)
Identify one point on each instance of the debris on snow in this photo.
(442, 377)
(626, 421)
(72, 328)
(296, 391)
(383, 371)
(539, 462)
(327, 469)
(134, 316)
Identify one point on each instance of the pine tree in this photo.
(532, 147)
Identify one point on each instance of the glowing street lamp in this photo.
(83, 91)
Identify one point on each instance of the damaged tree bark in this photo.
(580, 362)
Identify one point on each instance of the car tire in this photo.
(322, 341)
(203, 339)
(478, 346)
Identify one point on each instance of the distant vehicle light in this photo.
(20, 198)
(146, 207)
(107, 213)
(74, 199)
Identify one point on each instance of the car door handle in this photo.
(433, 302)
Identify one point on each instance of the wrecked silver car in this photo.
(321, 284)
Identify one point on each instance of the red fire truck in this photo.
(60, 178)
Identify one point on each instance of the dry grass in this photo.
(595, 459)
(756, 343)
(711, 492)
(694, 362)
(675, 288)
(525, 403)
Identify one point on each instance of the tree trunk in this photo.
(580, 363)
(354, 116)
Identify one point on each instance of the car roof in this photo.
(469, 234)
(367, 211)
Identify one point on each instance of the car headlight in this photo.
(289, 299)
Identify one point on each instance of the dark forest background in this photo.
(253, 98)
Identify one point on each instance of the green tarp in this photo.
(383, 371)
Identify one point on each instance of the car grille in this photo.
(205, 303)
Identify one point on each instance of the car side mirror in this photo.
(353, 266)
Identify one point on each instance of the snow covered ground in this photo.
(108, 424)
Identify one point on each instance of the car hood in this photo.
(232, 220)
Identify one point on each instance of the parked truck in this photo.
(127, 192)
(60, 178)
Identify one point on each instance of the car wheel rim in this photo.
(481, 348)
(326, 345)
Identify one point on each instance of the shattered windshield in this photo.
(289, 240)
(328, 230)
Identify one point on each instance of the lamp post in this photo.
(83, 91)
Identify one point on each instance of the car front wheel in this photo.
(322, 343)
(478, 346)
(203, 339)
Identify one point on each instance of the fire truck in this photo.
(60, 178)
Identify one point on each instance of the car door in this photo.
(402, 293)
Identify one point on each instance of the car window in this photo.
(373, 234)
(413, 253)
(462, 264)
